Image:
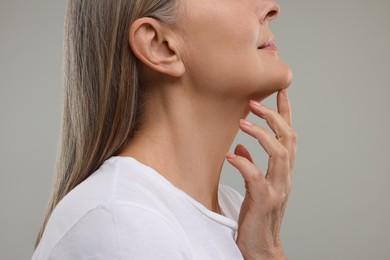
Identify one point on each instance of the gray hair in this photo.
(101, 89)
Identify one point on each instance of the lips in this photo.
(270, 44)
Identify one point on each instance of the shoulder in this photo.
(116, 182)
(119, 204)
(120, 230)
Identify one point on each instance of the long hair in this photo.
(102, 95)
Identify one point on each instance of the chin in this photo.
(278, 81)
(282, 77)
(288, 78)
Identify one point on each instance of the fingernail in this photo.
(258, 106)
(230, 155)
(255, 103)
(245, 122)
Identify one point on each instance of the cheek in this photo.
(224, 56)
(243, 72)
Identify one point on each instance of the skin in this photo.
(199, 80)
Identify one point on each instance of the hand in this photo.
(266, 196)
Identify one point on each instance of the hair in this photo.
(102, 92)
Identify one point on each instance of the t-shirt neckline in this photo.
(182, 194)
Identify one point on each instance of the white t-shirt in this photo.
(127, 210)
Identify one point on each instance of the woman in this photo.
(154, 91)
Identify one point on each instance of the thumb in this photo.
(242, 151)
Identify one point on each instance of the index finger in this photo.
(284, 107)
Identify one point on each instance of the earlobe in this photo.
(155, 46)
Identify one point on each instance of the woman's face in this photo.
(220, 46)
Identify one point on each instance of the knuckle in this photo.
(272, 118)
(260, 131)
(256, 177)
(276, 204)
(292, 136)
(280, 200)
(283, 197)
(283, 154)
(270, 205)
(275, 201)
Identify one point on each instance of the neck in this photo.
(185, 136)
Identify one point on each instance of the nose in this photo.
(270, 12)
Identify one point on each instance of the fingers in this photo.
(243, 152)
(275, 121)
(280, 148)
(269, 142)
(280, 123)
(278, 167)
(284, 107)
(254, 178)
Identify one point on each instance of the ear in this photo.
(156, 46)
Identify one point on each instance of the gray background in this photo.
(339, 52)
